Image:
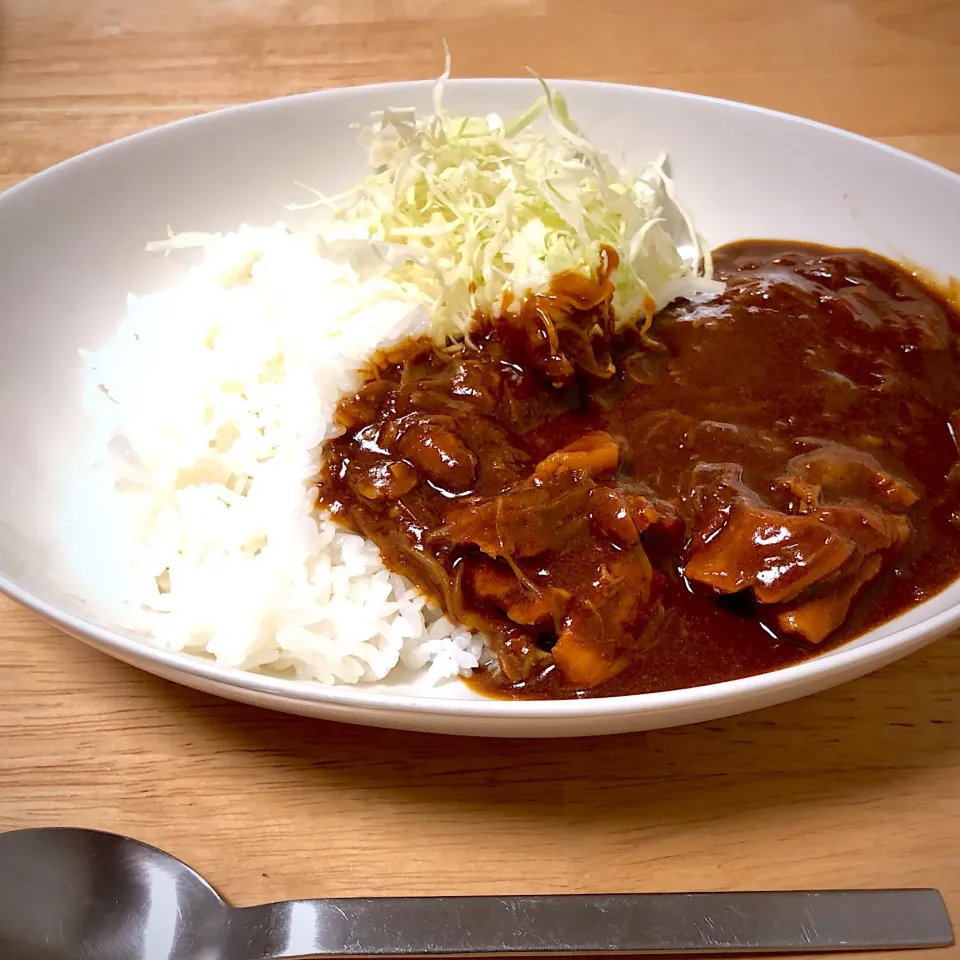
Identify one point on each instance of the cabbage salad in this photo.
(468, 208)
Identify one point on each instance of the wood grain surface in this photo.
(858, 786)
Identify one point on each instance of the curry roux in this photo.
(759, 474)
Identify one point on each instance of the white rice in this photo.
(215, 396)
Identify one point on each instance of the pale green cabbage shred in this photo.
(467, 208)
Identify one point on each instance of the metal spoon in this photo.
(83, 895)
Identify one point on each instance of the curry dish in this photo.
(754, 475)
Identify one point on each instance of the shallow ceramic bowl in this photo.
(73, 246)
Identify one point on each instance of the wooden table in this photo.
(858, 786)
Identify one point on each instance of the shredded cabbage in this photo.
(469, 208)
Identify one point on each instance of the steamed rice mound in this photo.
(214, 399)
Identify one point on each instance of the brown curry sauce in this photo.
(762, 474)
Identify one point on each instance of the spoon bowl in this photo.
(103, 896)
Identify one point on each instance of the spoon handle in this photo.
(652, 923)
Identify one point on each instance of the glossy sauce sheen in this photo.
(807, 349)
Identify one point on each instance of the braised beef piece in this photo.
(763, 473)
(809, 561)
(566, 560)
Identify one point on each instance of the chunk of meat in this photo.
(519, 656)
(815, 619)
(477, 384)
(879, 538)
(612, 517)
(837, 472)
(774, 554)
(593, 455)
(813, 564)
(533, 518)
(602, 623)
(557, 503)
(386, 480)
(869, 527)
(545, 567)
(582, 664)
(498, 584)
(363, 406)
(744, 544)
(654, 513)
(543, 512)
(440, 454)
(620, 515)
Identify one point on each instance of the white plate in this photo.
(72, 241)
